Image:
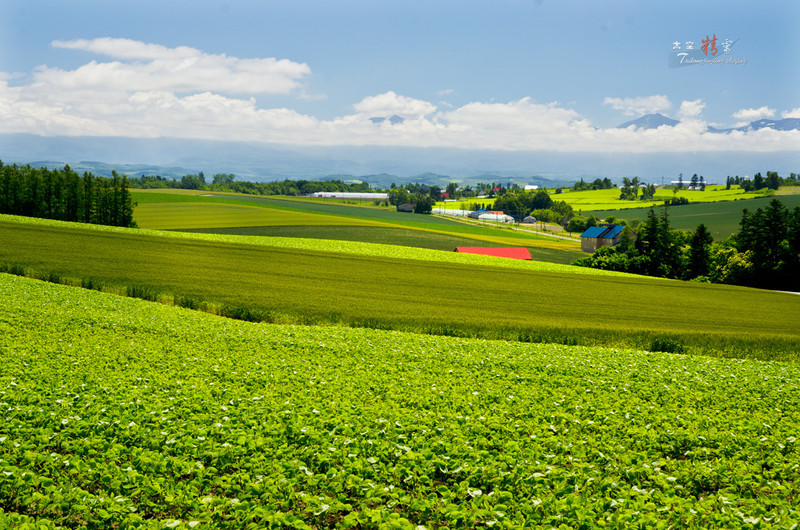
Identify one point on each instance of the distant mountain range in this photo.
(378, 165)
(653, 121)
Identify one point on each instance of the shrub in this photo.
(667, 345)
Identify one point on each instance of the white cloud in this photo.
(794, 113)
(389, 103)
(691, 109)
(143, 66)
(446, 92)
(521, 124)
(189, 102)
(639, 105)
(748, 115)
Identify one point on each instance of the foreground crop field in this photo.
(387, 287)
(116, 412)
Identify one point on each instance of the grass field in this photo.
(279, 280)
(118, 413)
(197, 215)
(391, 236)
(248, 215)
(721, 218)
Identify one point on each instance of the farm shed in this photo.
(354, 196)
(600, 236)
(453, 212)
(499, 218)
(407, 207)
(501, 252)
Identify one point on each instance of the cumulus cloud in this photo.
(748, 115)
(691, 109)
(639, 105)
(105, 99)
(143, 66)
(389, 103)
(794, 113)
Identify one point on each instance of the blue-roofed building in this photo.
(600, 236)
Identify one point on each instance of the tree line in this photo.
(64, 195)
(764, 253)
(772, 181)
(227, 182)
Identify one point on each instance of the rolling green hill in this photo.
(247, 215)
(324, 282)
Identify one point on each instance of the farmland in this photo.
(383, 286)
(593, 200)
(721, 218)
(119, 412)
(424, 389)
(248, 215)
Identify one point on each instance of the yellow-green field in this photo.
(609, 199)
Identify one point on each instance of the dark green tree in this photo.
(773, 181)
(541, 200)
(758, 182)
(423, 205)
(223, 178)
(699, 253)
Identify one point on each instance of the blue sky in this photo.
(522, 75)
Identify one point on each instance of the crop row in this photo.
(117, 412)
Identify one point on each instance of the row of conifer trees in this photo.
(64, 195)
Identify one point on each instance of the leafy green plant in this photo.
(116, 412)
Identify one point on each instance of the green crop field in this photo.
(383, 286)
(120, 413)
(721, 218)
(248, 215)
(190, 215)
(395, 236)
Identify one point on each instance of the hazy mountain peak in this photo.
(650, 121)
(394, 119)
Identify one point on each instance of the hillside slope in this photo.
(122, 413)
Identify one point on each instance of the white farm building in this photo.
(447, 211)
(353, 196)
